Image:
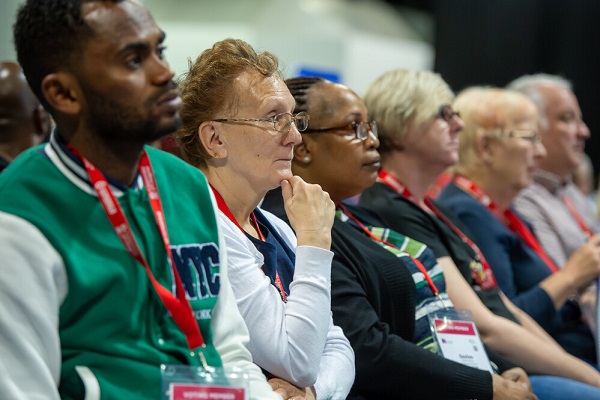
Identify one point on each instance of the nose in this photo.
(293, 136)
(539, 150)
(161, 72)
(456, 125)
(583, 130)
(372, 141)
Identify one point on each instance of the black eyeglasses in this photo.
(281, 122)
(447, 113)
(361, 129)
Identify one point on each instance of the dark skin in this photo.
(23, 121)
(121, 94)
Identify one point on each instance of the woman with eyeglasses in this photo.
(419, 135)
(499, 149)
(238, 128)
(379, 295)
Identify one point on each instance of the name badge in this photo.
(458, 339)
(185, 382)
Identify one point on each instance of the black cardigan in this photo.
(373, 301)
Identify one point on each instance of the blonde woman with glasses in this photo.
(499, 151)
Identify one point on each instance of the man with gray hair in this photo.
(559, 212)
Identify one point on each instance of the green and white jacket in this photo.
(79, 317)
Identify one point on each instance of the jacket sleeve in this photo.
(33, 284)
(336, 370)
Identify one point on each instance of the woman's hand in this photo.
(510, 386)
(291, 392)
(310, 211)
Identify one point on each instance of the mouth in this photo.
(374, 163)
(170, 101)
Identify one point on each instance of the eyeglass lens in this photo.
(362, 129)
(447, 113)
(283, 122)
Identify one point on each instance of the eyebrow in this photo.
(142, 44)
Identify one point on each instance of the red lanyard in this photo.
(178, 307)
(420, 265)
(508, 217)
(486, 279)
(225, 209)
(577, 216)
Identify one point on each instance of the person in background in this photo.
(558, 212)
(378, 290)
(583, 178)
(419, 136)
(561, 216)
(23, 121)
(239, 129)
(499, 150)
(103, 277)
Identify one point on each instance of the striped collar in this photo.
(72, 168)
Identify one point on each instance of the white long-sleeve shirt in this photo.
(296, 340)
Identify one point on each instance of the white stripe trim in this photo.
(67, 172)
(75, 173)
(92, 387)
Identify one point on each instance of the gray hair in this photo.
(530, 86)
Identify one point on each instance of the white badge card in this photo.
(185, 382)
(458, 339)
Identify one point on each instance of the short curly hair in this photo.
(208, 89)
(50, 35)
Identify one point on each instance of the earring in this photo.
(306, 159)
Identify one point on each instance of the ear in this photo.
(484, 147)
(302, 154)
(62, 92)
(211, 139)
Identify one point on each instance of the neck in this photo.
(501, 195)
(239, 196)
(119, 160)
(416, 177)
(550, 165)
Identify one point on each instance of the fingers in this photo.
(286, 190)
(282, 388)
(310, 212)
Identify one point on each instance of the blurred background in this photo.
(483, 42)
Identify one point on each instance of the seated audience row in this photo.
(131, 274)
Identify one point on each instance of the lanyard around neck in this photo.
(507, 217)
(225, 209)
(179, 307)
(485, 280)
(420, 265)
(578, 218)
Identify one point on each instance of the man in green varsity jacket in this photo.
(81, 317)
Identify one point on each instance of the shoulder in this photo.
(172, 167)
